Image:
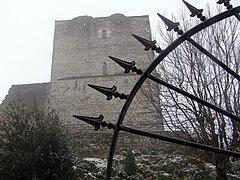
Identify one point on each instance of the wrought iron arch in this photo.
(144, 75)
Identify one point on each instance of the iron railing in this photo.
(98, 122)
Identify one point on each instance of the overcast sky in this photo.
(27, 29)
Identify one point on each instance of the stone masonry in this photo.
(80, 57)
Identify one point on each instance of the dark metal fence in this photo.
(97, 122)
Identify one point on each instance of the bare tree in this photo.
(190, 70)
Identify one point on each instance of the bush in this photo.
(34, 145)
(130, 166)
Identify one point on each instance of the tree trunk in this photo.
(221, 167)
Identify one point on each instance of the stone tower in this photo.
(80, 57)
(82, 45)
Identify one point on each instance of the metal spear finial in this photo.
(229, 6)
(95, 121)
(127, 65)
(148, 44)
(195, 11)
(171, 25)
(226, 3)
(109, 92)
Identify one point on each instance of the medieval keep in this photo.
(80, 57)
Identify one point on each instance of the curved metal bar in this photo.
(150, 68)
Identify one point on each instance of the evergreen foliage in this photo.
(33, 145)
(130, 166)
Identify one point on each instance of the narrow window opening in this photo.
(104, 34)
(104, 68)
